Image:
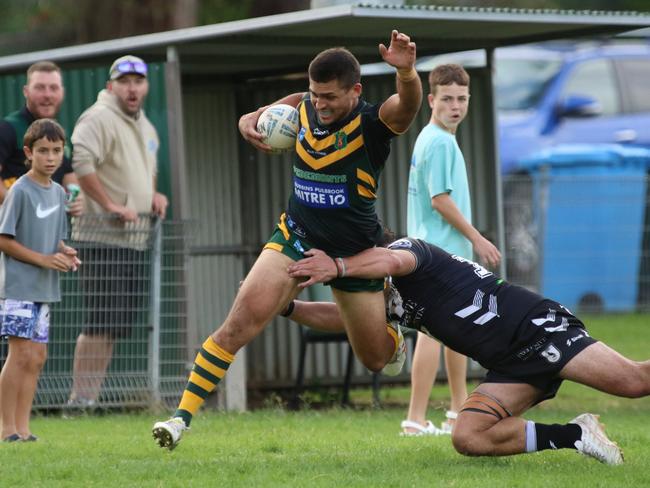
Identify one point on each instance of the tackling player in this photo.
(528, 344)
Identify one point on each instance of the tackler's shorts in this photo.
(560, 337)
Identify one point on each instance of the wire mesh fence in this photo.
(583, 240)
(128, 303)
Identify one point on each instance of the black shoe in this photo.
(12, 438)
(30, 438)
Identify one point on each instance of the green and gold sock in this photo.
(210, 367)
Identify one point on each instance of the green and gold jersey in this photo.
(336, 176)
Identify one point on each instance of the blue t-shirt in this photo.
(438, 166)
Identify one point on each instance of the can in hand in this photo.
(72, 192)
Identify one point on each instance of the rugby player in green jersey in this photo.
(341, 149)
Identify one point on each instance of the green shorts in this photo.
(287, 242)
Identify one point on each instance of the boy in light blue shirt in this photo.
(437, 168)
(439, 211)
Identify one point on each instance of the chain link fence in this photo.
(133, 281)
(583, 240)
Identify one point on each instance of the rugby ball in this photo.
(279, 126)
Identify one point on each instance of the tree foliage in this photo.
(27, 25)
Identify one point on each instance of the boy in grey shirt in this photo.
(33, 225)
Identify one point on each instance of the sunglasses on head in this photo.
(132, 67)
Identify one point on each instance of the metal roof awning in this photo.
(285, 43)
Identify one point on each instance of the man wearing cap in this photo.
(114, 156)
(43, 98)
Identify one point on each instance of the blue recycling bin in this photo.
(589, 204)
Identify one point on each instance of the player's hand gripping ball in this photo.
(279, 126)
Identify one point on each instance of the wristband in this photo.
(340, 261)
(289, 310)
(406, 76)
(338, 270)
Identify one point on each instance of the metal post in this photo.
(499, 221)
(154, 311)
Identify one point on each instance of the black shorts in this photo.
(560, 337)
(115, 282)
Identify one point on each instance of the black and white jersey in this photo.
(464, 305)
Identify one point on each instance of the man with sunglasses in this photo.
(114, 156)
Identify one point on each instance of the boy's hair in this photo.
(42, 128)
(447, 74)
(336, 63)
(44, 66)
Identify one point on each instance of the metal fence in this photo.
(150, 365)
(583, 240)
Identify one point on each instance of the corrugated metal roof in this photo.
(287, 42)
(511, 10)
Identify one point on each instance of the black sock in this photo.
(557, 436)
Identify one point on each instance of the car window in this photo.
(636, 73)
(520, 83)
(595, 79)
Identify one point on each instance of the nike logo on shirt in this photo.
(41, 213)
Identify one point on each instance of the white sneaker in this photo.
(168, 433)
(594, 442)
(394, 366)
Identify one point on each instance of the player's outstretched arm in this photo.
(377, 262)
(248, 122)
(399, 110)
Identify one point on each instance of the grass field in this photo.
(333, 447)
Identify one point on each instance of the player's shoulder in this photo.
(420, 250)
(366, 107)
(416, 246)
(373, 124)
(402, 243)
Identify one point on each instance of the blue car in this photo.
(551, 95)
